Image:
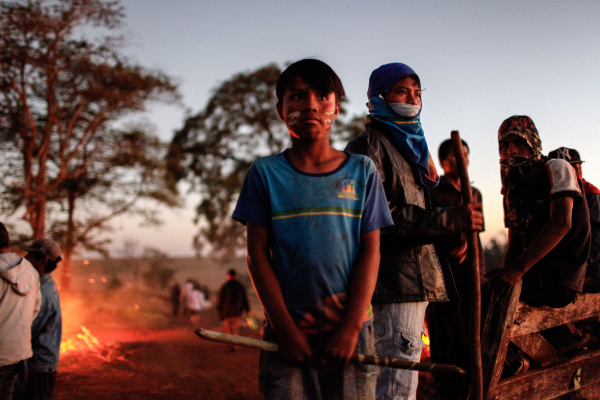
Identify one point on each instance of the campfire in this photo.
(426, 352)
(85, 342)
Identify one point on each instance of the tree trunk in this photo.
(65, 281)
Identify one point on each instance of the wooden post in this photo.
(476, 392)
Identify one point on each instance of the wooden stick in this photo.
(476, 392)
(357, 358)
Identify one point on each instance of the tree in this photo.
(125, 168)
(215, 148)
(60, 95)
(494, 254)
(158, 275)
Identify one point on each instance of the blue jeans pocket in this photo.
(408, 345)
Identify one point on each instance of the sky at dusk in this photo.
(479, 63)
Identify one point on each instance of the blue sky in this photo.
(479, 62)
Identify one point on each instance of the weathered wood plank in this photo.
(534, 319)
(548, 383)
(538, 348)
(495, 335)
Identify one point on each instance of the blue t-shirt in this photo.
(315, 221)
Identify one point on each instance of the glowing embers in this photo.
(426, 352)
(85, 342)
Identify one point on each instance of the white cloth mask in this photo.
(404, 109)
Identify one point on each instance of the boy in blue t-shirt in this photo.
(313, 216)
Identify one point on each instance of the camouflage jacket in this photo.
(413, 265)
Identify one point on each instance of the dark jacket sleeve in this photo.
(413, 224)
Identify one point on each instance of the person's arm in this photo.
(417, 225)
(516, 265)
(414, 225)
(245, 303)
(342, 344)
(38, 301)
(293, 343)
(593, 202)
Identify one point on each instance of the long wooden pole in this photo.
(357, 358)
(476, 392)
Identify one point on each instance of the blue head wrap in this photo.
(407, 133)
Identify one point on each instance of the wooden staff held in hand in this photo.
(476, 392)
(356, 358)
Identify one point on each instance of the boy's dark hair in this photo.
(313, 72)
(445, 147)
(4, 238)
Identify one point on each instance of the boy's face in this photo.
(514, 146)
(406, 91)
(449, 163)
(307, 113)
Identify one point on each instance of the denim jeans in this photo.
(398, 330)
(278, 379)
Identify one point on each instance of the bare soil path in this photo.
(170, 363)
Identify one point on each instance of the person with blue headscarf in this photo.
(413, 270)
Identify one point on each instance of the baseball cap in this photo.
(571, 155)
(47, 247)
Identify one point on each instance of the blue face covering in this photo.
(406, 133)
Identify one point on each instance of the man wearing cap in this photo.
(410, 270)
(592, 197)
(46, 331)
(547, 220)
(20, 301)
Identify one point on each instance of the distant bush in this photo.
(494, 255)
(158, 276)
(114, 283)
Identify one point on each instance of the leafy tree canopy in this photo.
(60, 96)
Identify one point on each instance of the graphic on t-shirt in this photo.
(305, 212)
(348, 191)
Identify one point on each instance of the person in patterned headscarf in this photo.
(547, 220)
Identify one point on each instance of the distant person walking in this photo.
(46, 331)
(175, 292)
(20, 301)
(232, 302)
(195, 303)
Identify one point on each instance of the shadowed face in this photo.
(38, 260)
(578, 170)
(514, 146)
(307, 113)
(449, 163)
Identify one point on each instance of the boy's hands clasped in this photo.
(294, 347)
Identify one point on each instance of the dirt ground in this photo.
(124, 344)
(152, 357)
